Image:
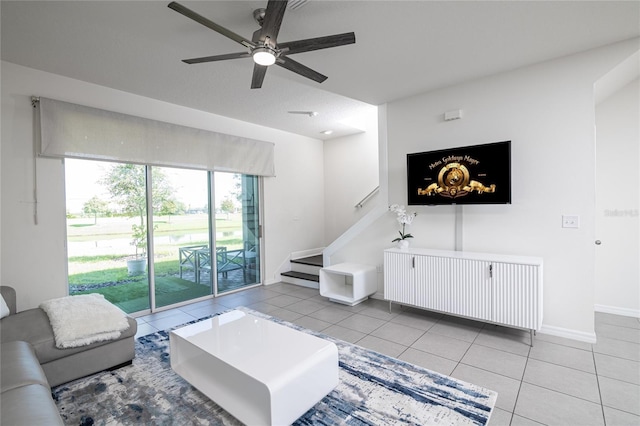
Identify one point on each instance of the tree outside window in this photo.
(127, 185)
(95, 206)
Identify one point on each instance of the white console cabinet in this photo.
(501, 289)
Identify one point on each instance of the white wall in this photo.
(547, 111)
(617, 278)
(350, 173)
(33, 256)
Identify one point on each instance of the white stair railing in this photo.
(367, 197)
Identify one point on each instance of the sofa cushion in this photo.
(9, 296)
(29, 405)
(33, 326)
(19, 366)
(4, 308)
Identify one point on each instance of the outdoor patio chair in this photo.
(226, 260)
(249, 256)
(188, 258)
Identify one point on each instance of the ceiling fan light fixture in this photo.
(264, 56)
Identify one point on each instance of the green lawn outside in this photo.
(131, 294)
(109, 270)
(134, 296)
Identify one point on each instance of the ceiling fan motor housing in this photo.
(258, 15)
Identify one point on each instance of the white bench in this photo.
(261, 372)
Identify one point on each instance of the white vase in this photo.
(403, 245)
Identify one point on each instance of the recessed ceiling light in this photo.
(327, 132)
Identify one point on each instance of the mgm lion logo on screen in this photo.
(454, 182)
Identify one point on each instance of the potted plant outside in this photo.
(138, 265)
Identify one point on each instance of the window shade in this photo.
(76, 131)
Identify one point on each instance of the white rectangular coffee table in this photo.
(261, 372)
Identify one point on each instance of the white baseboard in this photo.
(568, 333)
(626, 312)
(546, 329)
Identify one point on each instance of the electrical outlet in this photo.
(570, 221)
(379, 269)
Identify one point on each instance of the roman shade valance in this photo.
(77, 131)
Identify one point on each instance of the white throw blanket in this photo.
(85, 319)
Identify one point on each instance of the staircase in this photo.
(304, 272)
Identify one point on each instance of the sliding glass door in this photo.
(182, 250)
(237, 231)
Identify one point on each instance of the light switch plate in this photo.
(570, 221)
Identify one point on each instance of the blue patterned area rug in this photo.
(374, 389)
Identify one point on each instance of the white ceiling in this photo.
(402, 48)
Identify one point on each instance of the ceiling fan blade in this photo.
(298, 68)
(210, 24)
(259, 72)
(272, 20)
(217, 58)
(299, 46)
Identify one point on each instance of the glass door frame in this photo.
(151, 273)
(151, 248)
(212, 244)
(213, 229)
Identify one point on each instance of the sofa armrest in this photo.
(9, 296)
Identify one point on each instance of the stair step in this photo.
(302, 276)
(310, 260)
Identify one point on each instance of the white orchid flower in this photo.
(409, 218)
(403, 219)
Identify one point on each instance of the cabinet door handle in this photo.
(413, 262)
(490, 271)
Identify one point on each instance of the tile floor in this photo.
(556, 382)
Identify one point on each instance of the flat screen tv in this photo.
(478, 174)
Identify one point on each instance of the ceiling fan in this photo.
(264, 47)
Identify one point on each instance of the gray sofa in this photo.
(26, 395)
(30, 363)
